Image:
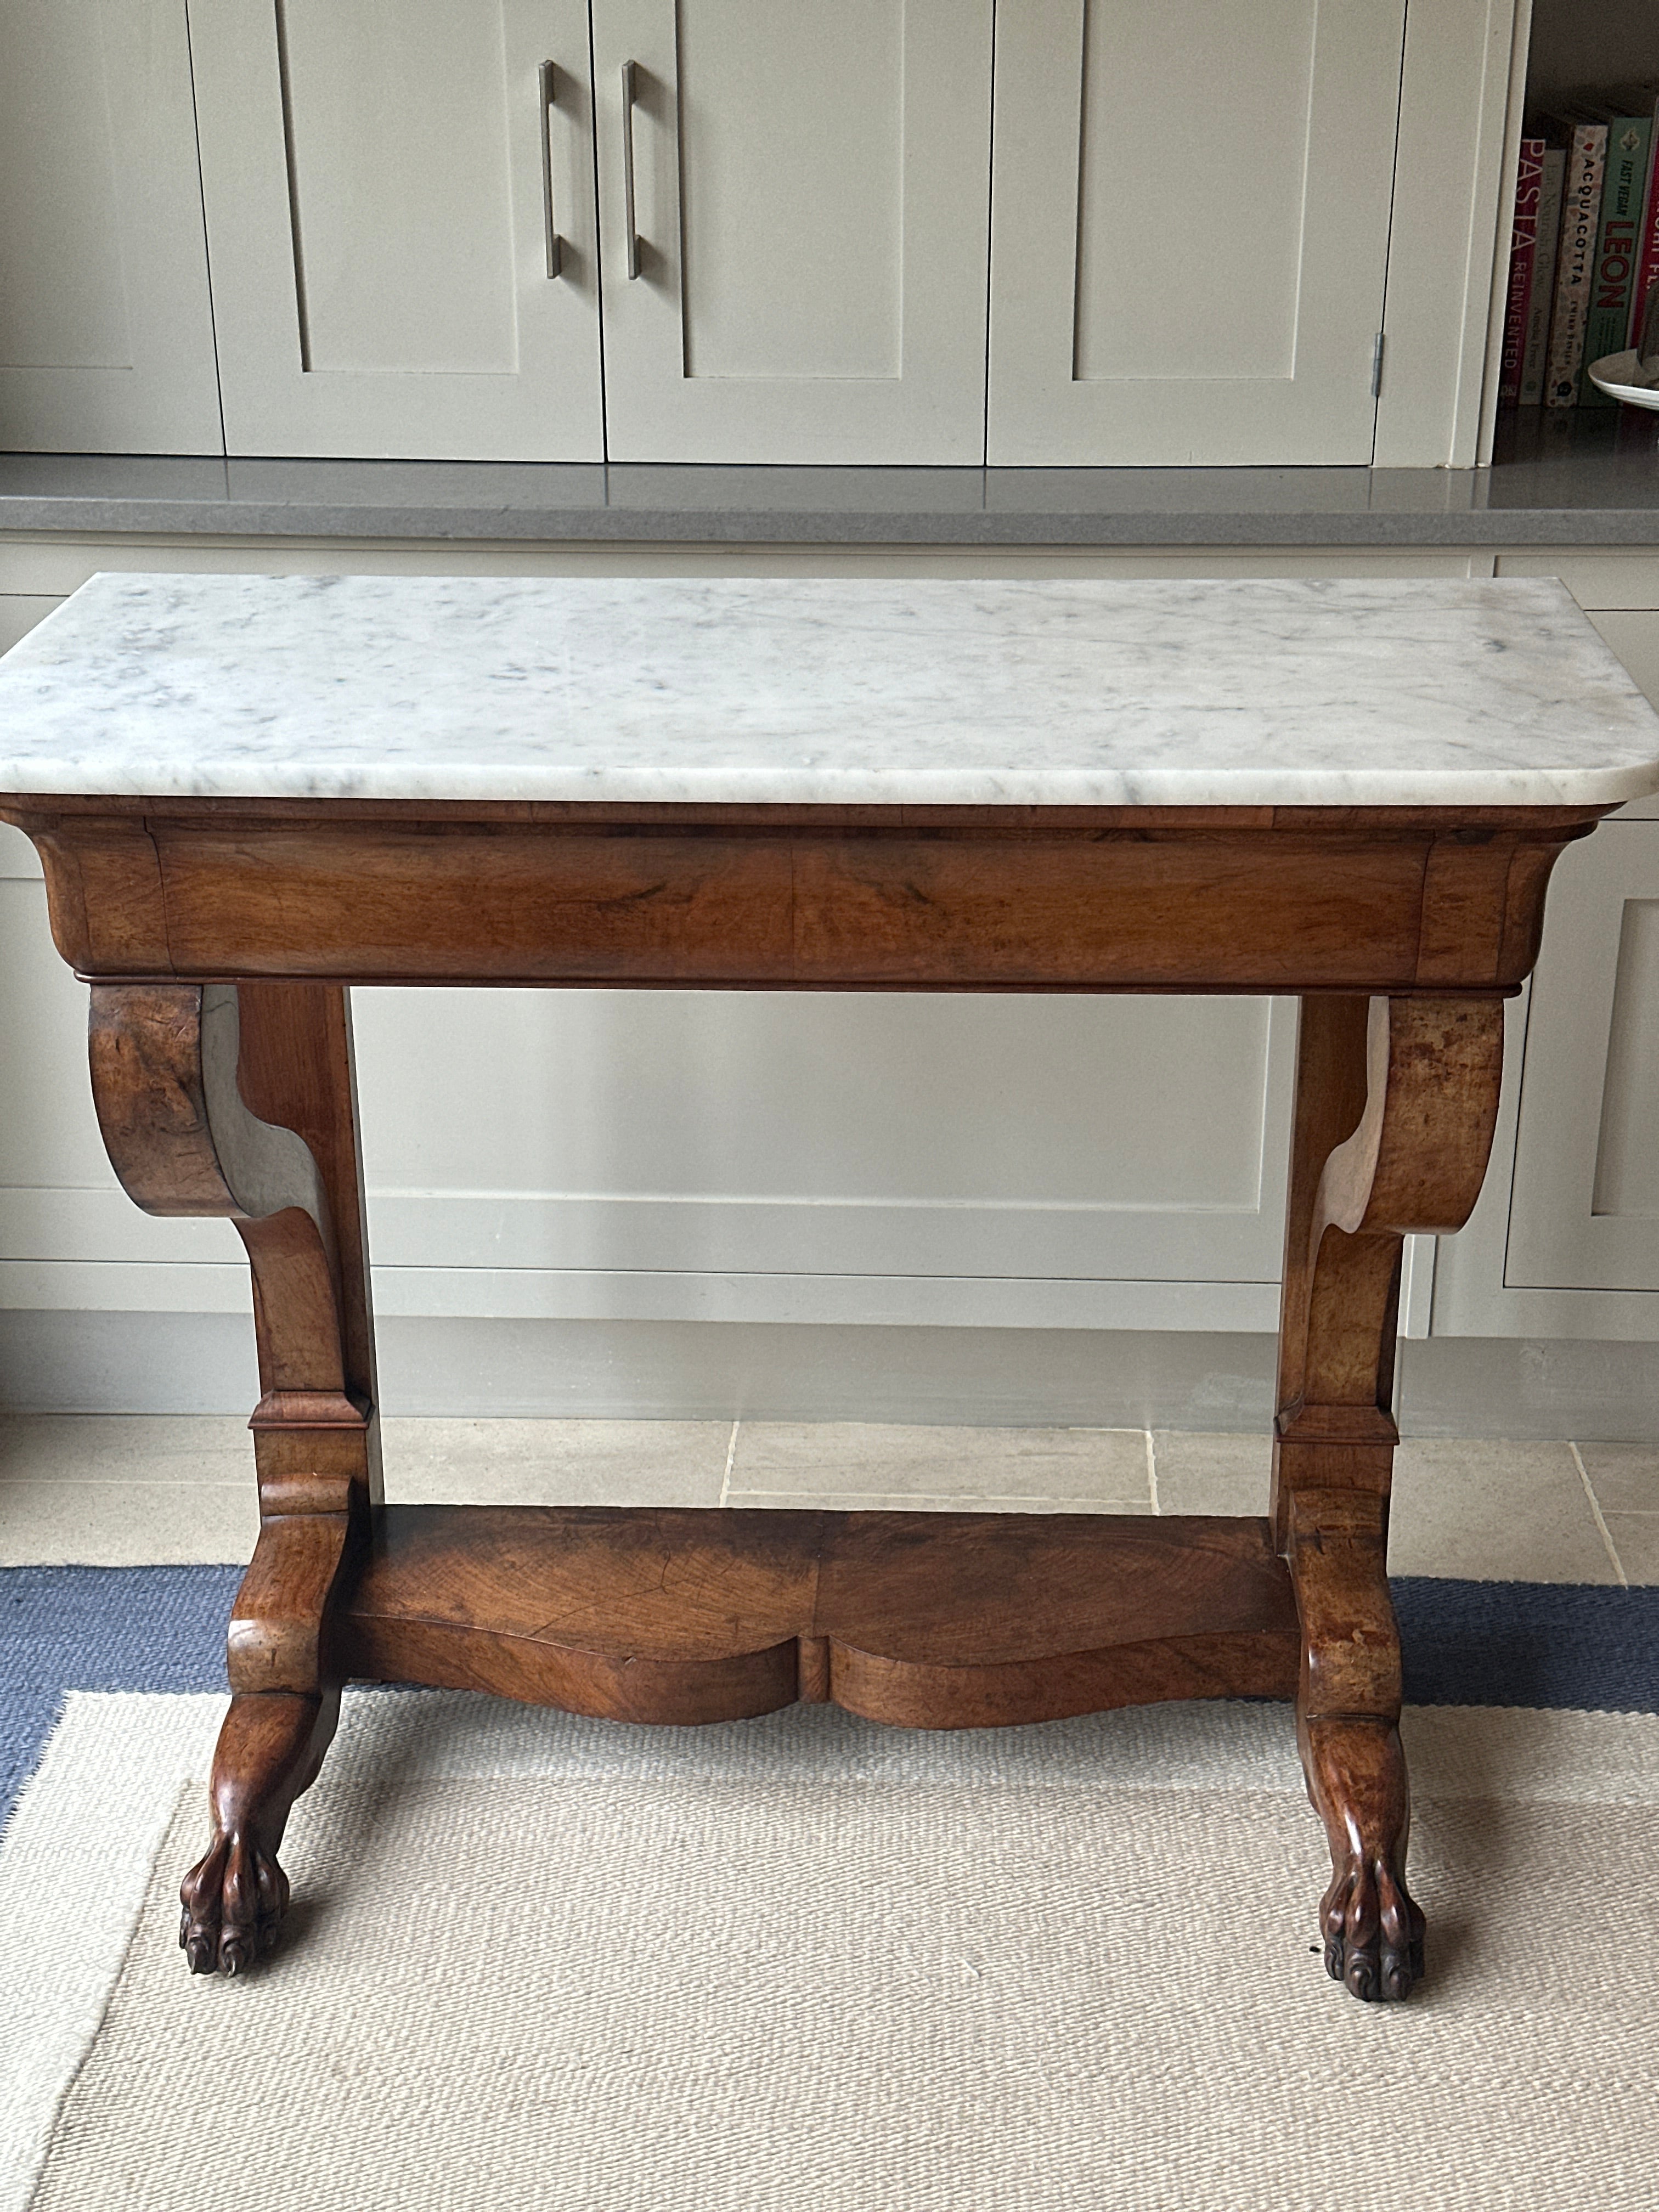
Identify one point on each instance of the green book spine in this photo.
(1617, 245)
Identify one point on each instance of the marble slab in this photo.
(786, 691)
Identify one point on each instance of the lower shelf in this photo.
(921, 1620)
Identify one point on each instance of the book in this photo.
(1647, 258)
(1581, 211)
(1618, 243)
(1535, 353)
(1523, 246)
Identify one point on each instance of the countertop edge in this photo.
(1632, 529)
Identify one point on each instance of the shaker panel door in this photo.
(1190, 229)
(1584, 1214)
(401, 227)
(106, 335)
(1114, 1162)
(808, 190)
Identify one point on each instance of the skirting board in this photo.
(116, 1362)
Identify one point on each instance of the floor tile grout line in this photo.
(731, 1456)
(966, 1500)
(1151, 1471)
(1601, 1522)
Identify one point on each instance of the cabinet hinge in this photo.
(1376, 365)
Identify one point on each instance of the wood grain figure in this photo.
(694, 1615)
(1396, 1104)
(173, 1067)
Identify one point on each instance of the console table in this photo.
(249, 793)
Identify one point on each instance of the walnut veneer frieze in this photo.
(1250, 900)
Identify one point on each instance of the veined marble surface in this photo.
(786, 690)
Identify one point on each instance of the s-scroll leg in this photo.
(240, 1102)
(1396, 1102)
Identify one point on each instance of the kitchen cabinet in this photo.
(384, 188)
(803, 279)
(1190, 229)
(446, 231)
(794, 261)
(1585, 1208)
(105, 331)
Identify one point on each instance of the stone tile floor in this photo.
(106, 1490)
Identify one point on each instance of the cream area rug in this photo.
(808, 1964)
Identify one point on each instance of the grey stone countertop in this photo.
(1558, 480)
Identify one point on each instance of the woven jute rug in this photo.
(804, 1962)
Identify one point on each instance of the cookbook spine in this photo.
(1647, 259)
(1586, 154)
(1523, 247)
(1535, 353)
(1618, 243)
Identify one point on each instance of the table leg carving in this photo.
(1396, 1103)
(270, 1749)
(238, 1103)
(1347, 1729)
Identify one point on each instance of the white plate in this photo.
(1615, 375)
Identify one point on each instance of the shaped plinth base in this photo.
(920, 1619)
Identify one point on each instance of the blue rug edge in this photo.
(1570, 1646)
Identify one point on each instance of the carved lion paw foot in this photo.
(234, 1900)
(1373, 1932)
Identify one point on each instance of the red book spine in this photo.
(1523, 247)
(1647, 257)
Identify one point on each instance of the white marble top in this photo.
(789, 691)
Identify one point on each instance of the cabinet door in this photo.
(945, 1159)
(809, 188)
(1585, 1210)
(106, 336)
(1190, 229)
(378, 183)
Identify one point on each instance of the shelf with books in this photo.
(1584, 246)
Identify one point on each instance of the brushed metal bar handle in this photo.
(549, 78)
(629, 73)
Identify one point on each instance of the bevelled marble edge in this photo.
(732, 690)
(1591, 499)
(887, 787)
